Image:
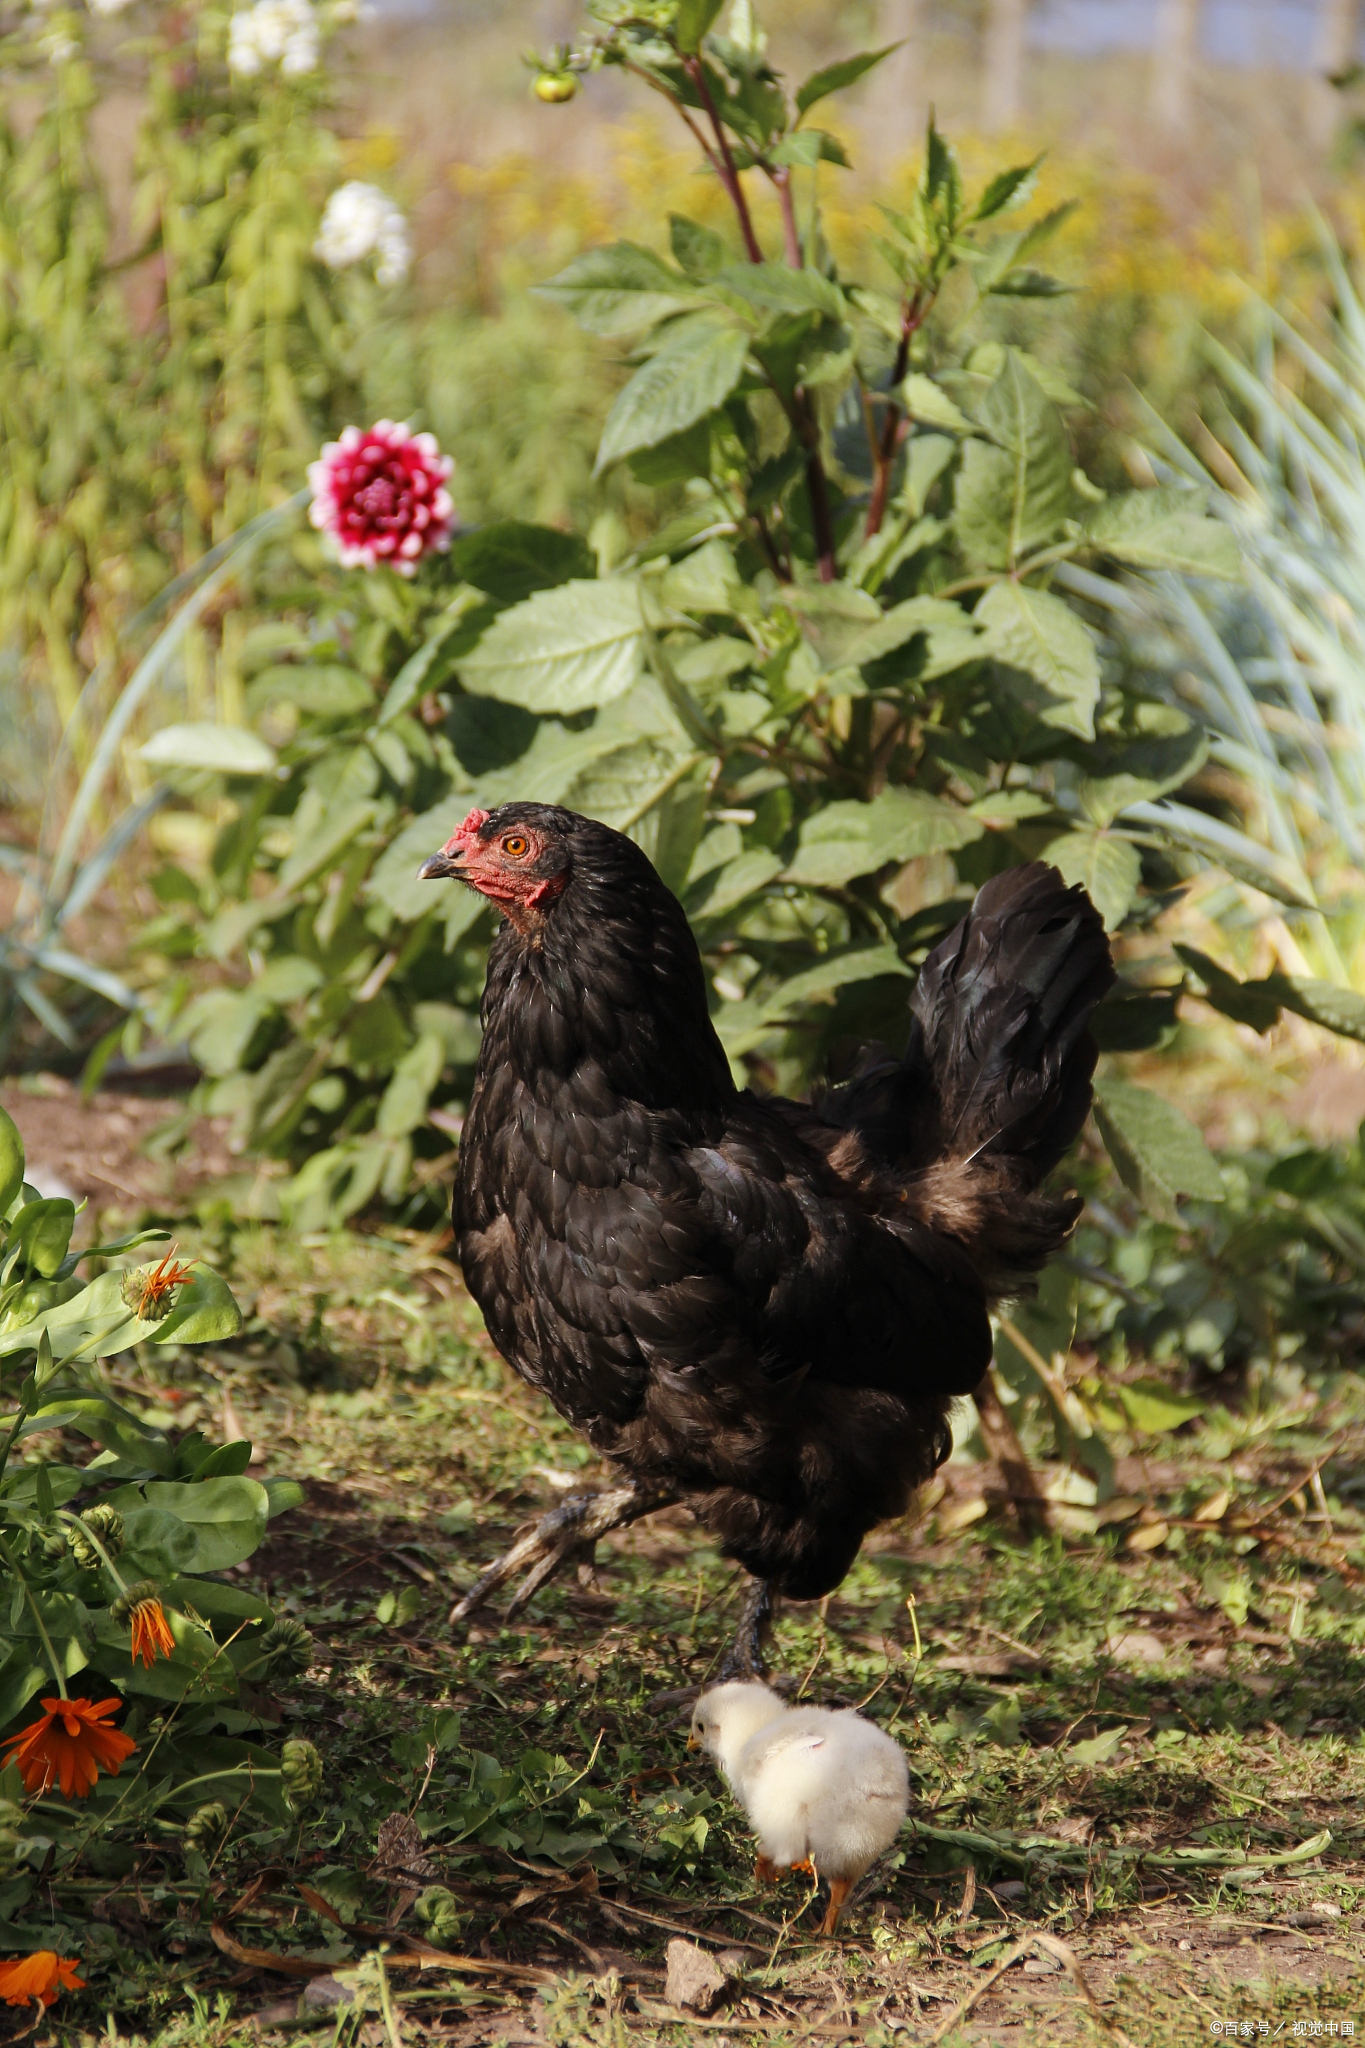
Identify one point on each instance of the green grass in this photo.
(546, 1763)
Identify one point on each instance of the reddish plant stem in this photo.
(821, 523)
(769, 547)
(913, 319)
(782, 179)
(729, 176)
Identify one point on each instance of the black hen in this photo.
(760, 1307)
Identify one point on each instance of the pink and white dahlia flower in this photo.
(381, 496)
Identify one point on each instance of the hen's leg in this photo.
(572, 1527)
(839, 1889)
(744, 1658)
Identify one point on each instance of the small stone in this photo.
(1311, 1916)
(1010, 1888)
(324, 1993)
(695, 1982)
(1041, 1966)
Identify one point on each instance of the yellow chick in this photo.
(824, 1792)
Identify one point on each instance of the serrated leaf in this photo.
(1157, 1150)
(697, 249)
(1326, 1003)
(844, 840)
(1148, 768)
(1153, 1407)
(733, 882)
(620, 290)
(777, 288)
(563, 650)
(1006, 189)
(1108, 869)
(1035, 631)
(930, 403)
(511, 559)
(835, 77)
(1013, 496)
(692, 20)
(1165, 528)
(808, 147)
(1096, 1749)
(837, 971)
(227, 749)
(697, 368)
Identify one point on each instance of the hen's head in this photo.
(519, 856)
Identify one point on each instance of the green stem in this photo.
(93, 1540)
(8, 1557)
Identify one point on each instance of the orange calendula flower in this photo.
(151, 1637)
(41, 1975)
(148, 1289)
(70, 1743)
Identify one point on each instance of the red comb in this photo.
(466, 831)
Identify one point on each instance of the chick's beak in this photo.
(693, 1740)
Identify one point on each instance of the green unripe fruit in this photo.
(206, 1827)
(301, 1770)
(555, 87)
(286, 1649)
(436, 1909)
(106, 1523)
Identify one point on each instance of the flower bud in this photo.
(206, 1827)
(301, 1770)
(555, 87)
(286, 1650)
(107, 1524)
(436, 1909)
(140, 1590)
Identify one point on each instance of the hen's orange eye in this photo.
(515, 844)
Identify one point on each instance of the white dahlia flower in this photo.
(360, 221)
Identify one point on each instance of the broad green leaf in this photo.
(225, 1517)
(512, 559)
(43, 1231)
(848, 839)
(808, 147)
(929, 402)
(1165, 528)
(834, 972)
(777, 288)
(953, 636)
(98, 1322)
(1035, 631)
(1148, 768)
(692, 20)
(11, 1161)
(1246, 1002)
(227, 749)
(1108, 869)
(1096, 1749)
(1014, 491)
(1324, 1002)
(734, 881)
(323, 689)
(702, 582)
(1258, 1003)
(1157, 1150)
(697, 368)
(835, 77)
(620, 290)
(563, 650)
(698, 250)
(403, 1105)
(986, 362)
(1231, 1590)
(1153, 1407)
(321, 848)
(160, 1541)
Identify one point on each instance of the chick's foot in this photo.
(567, 1531)
(839, 1889)
(744, 1658)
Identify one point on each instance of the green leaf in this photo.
(1148, 768)
(324, 689)
(1158, 1152)
(847, 839)
(620, 290)
(42, 1230)
(1013, 496)
(1165, 528)
(1324, 1002)
(1096, 1749)
(225, 1518)
(227, 749)
(98, 1321)
(563, 650)
(1108, 869)
(808, 147)
(835, 971)
(929, 402)
(1006, 189)
(1258, 1003)
(835, 77)
(403, 1105)
(777, 288)
(1034, 631)
(697, 368)
(1246, 1002)
(1222, 845)
(733, 882)
(691, 22)
(11, 1161)
(698, 250)
(512, 559)
(1153, 1407)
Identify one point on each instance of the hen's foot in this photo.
(839, 1889)
(744, 1658)
(568, 1531)
(766, 1871)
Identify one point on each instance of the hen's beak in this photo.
(442, 866)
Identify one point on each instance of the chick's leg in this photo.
(839, 1889)
(569, 1530)
(744, 1658)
